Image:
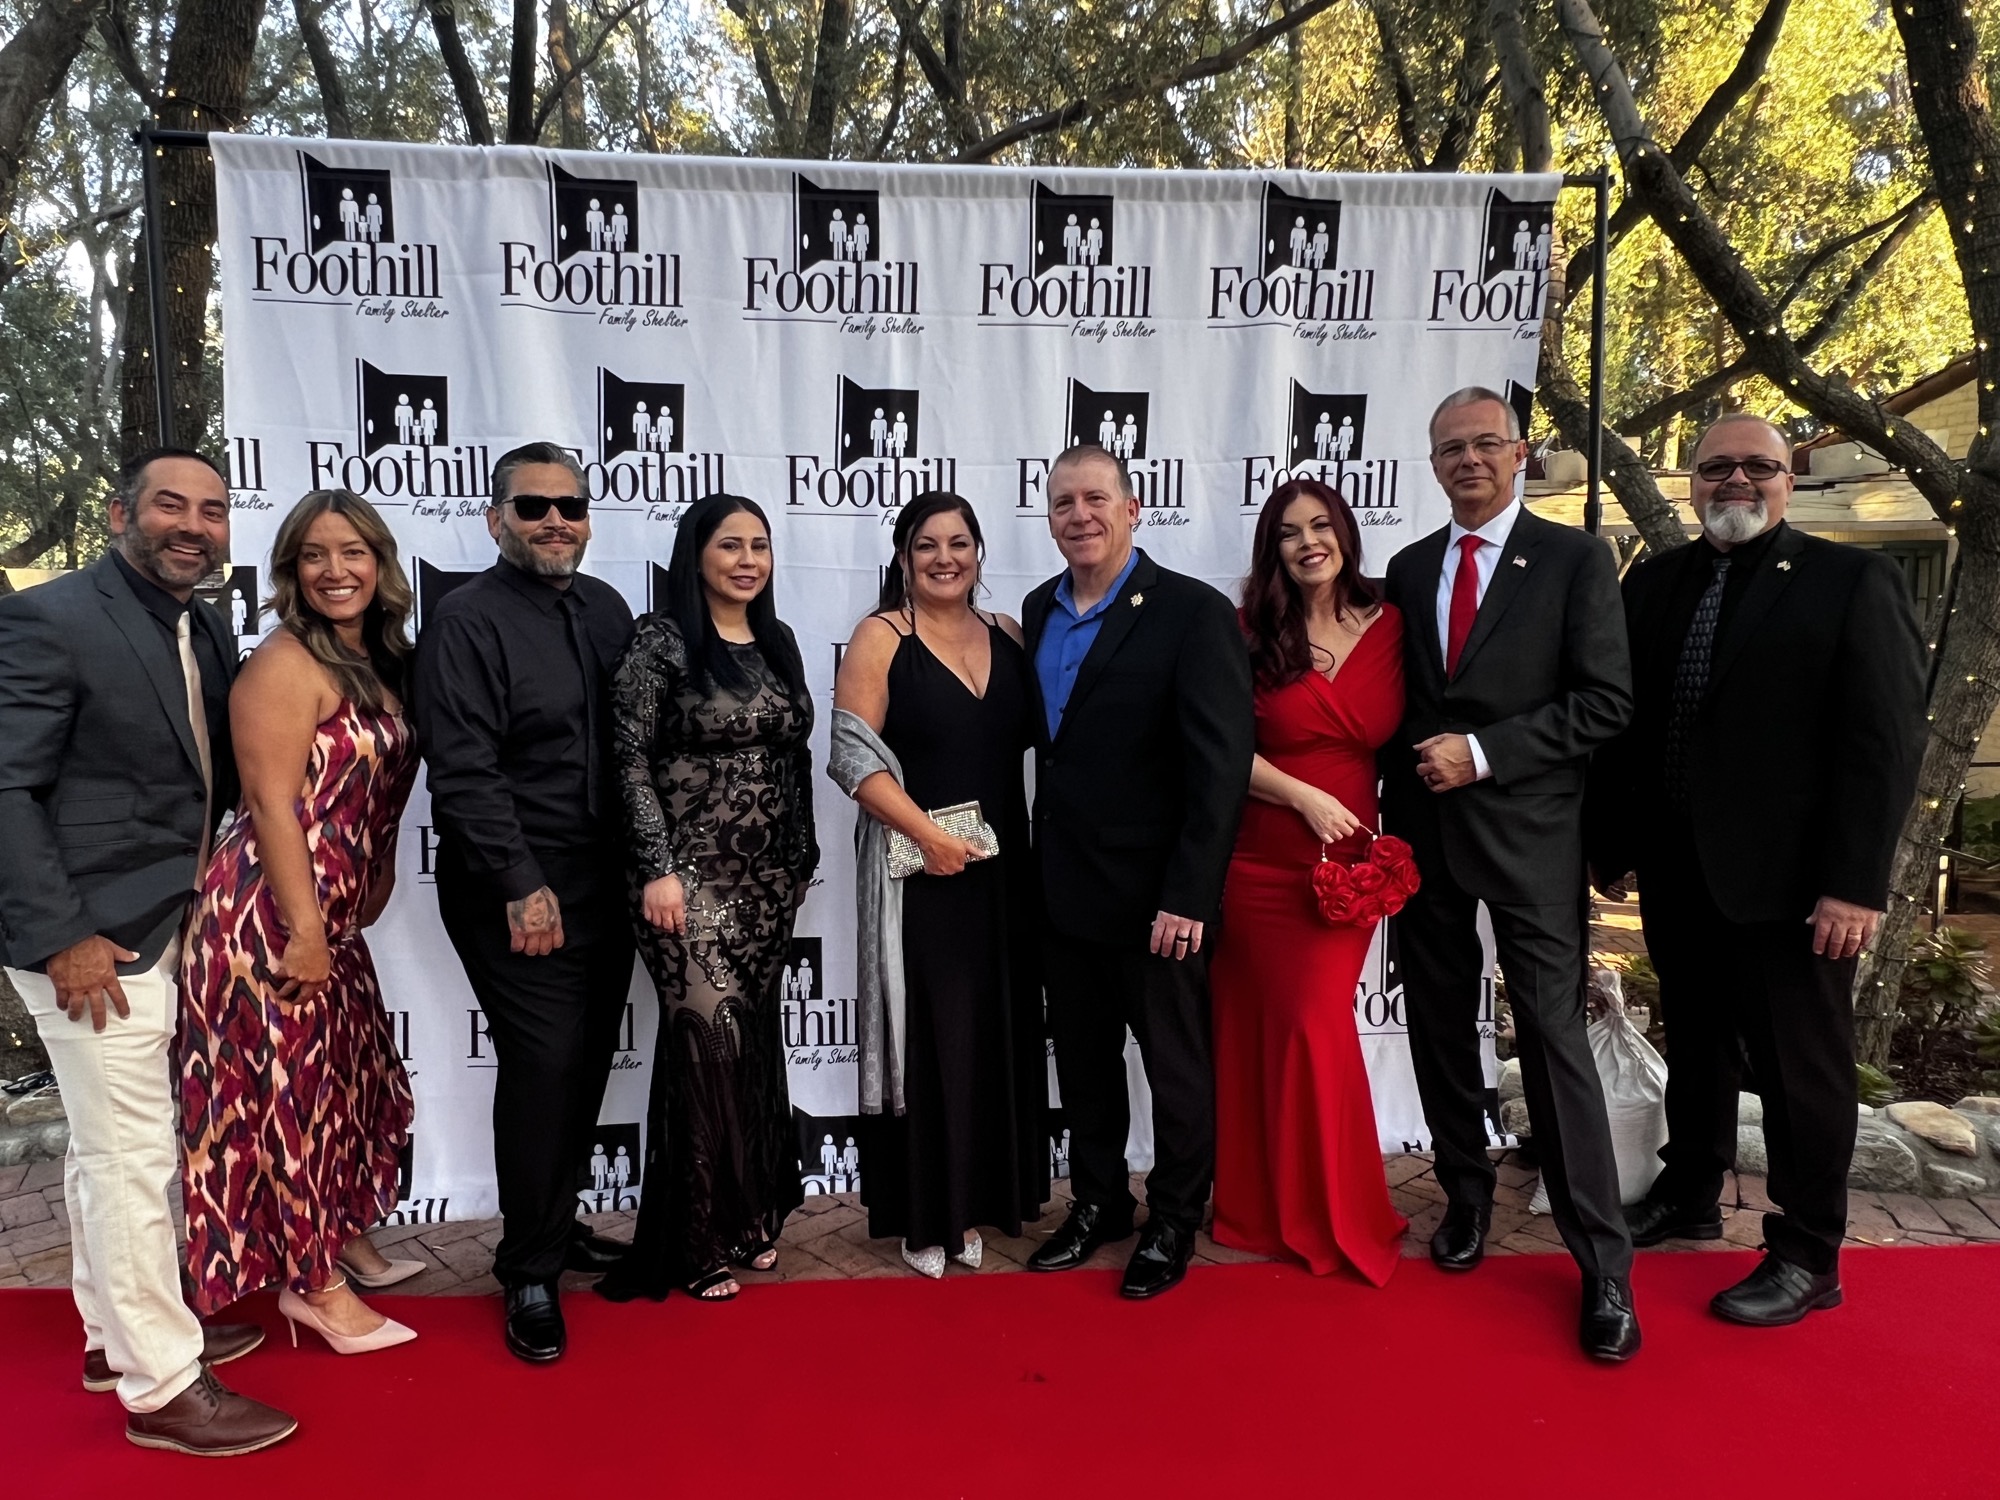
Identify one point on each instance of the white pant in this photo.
(124, 1153)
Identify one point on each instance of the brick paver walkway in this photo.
(827, 1239)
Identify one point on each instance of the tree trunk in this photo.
(464, 81)
(208, 78)
(829, 76)
(326, 69)
(33, 65)
(521, 129)
(570, 132)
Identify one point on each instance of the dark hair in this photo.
(1274, 611)
(125, 487)
(911, 520)
(1083, 451)
(534, 453)
(709, 662)
(385, 632)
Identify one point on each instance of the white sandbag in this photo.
(1635, 1095)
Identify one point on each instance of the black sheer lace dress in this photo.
(718, 791)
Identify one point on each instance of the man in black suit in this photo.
(114, 766)
(1144, 742)
(1759, 793)
(1514, 670)
(513, 709)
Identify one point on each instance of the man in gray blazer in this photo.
(1514, 670)
(114, 766)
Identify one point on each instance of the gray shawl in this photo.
(858, 753)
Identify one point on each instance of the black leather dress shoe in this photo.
(1087, 1227)
(1609, 1328)
(1460, 1241)
(1652, 1221)
(1776, 1293)
(592, 1253)
(1159, 1263)
(535, 1322)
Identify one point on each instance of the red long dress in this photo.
(1298, 1164)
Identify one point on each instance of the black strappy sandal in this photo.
(755, 1257)
(708, 1281)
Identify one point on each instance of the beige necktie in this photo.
(198, 722)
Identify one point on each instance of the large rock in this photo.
(1749, 1110)
(1949, 1182)
(35, 1109)
(1511, 1086)
(1514, 1117)
(1978, 1104)
(1883, 1162)
(1936, 1124)
(1750, 1154)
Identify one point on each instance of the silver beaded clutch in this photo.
(963, 821)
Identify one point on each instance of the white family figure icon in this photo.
(593, 224)
(621, 1169)
(878, 434)
(1531, 248)
(651, 433)
(850, 1164)
(427, 423)
(619, 229)
(1107, 433)
(1322, 246)
(857, 239)
(1300, 242)
(406, 419)
(797, 983)
(600, 1168)
(899, 437)
(239, 613)
(1072, 241)
(848, 241)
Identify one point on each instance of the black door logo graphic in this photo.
(1114, 420)
(804, 975)
(346, 205)
(405, 1171)
(433, 583)
(1300, 234)
(612, 1164)
(234, 597)
(1522, 399)
(592, 215)
(876, 424)
(1326, 428)
(834, 224)
(407, 409)
(1518, 236)
(1071, 229)
(636, 416)
(829, 1152)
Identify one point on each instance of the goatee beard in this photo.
(523, 555)
(1734, 522)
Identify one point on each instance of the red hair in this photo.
(1274, 610)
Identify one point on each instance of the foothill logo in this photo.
(879, 460)
(434, 582)
(232, 593)
(411, 1209)
(641, 453)
(818, 1027)
(1508, 284)
(245, 466)
(347, 253)
(1120, 423)
(1075, 279)
(611, 1173)
(1326, 439)
(596, 262)
(829, 1152)
(1295, 279)
(838, 269)
(404, 455)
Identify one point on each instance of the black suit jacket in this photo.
(1543, 680)
(101, 796)
(1806, 746)
(1138, 796)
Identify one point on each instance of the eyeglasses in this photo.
(1715, 470)
(535, 507)
(1488, 446)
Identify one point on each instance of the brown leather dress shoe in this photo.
(219, 1345)
(209, 1420)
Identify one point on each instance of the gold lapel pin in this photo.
(1137, 600)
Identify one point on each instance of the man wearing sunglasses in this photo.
(1772, 756)
(512, 699)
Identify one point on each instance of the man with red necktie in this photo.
(1515, 669)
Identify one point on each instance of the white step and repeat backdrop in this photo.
(831, 339)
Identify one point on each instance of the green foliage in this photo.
(1875, 1087)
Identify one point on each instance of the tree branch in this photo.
(760, 57)
(1522, 81)
(829, 64)
(464, 81)
(1408, 131)
(947, 84)
(1089, 106)
(589, 55)
(1469, 96)
(117, 37)
(326, 69)
(898, 78)
(523, 128)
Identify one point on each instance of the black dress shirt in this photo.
(168, 610)
(512, 698)
(1745, 558)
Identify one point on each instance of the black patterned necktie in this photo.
(1691, 681)
(586, 659)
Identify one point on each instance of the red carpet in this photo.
(1248, 1380)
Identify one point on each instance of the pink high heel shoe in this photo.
(297, 1310)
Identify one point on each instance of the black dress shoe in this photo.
(1087, 1227)
(1609, 1328)
(1652, 1221)
(1159, 1263)
(592, 1253)
(1776, 1293)
(1460, 1241)
(535, 1322)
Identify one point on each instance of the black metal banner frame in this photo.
(155, 143)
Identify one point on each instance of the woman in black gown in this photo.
(945, 686)
(712, 714)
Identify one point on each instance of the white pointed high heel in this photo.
(297, 1310)
(926, 1262)
(399, 1270)
(975, 1247)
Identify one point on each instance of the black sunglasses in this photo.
(534, 507)
(1715, 470)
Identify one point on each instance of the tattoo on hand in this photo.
(536, 912)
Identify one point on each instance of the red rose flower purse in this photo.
(1373, 887)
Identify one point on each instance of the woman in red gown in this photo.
(1298, 1171)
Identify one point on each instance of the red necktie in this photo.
(1464, 602)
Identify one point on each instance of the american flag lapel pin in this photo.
(1520, 561)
